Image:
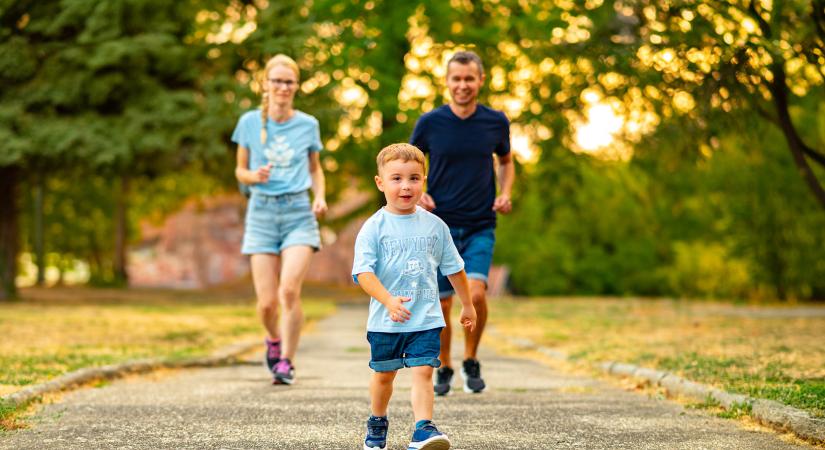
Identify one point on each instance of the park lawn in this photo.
(54, 331)
(771, 351)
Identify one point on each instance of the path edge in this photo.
(768, 412)
(222, 357)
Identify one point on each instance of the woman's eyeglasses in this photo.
(280, 82)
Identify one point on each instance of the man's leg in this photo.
(478, 294)
(446, 333)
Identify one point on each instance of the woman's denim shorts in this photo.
(393, 351)
(275, 222)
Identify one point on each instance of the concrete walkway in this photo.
(528, 406)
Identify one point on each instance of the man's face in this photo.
(464, 81)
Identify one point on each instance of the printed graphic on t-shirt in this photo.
(279, 153)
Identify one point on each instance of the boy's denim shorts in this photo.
(393, 351)
(275, 222)
(476, 249)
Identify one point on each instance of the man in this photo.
(461, 139)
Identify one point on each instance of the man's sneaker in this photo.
(471, 372)
(443, 379)
(273, 353)
(284, 372)
(376, 433)
(427, 437)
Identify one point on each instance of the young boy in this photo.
(397, 253)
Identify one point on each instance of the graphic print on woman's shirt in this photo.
(279, 153)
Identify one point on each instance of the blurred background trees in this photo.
(664, 148)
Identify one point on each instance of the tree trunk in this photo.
(121, 232)
(39, 253)
(9, 233)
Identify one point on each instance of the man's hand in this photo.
(262, 174)
(319, 207)
(398, 313)
(426, 202)
(502, 204)
(468, 317)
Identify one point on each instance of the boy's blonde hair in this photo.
(403, 151)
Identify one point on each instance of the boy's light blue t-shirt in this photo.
(404, 252)
(287, 147)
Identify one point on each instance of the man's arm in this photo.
(506, 175)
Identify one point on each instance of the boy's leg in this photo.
(381, 392)
(422, 392)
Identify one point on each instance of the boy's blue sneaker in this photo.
(376, 433)
(427, 437)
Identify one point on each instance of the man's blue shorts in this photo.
(476, 249)
(393, 351)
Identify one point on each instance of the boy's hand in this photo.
(262, 174)
(468, 317)
(398, 313)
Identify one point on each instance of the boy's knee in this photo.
(478, 298)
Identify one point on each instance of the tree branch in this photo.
(779, 91)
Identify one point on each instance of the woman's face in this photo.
(281, 83)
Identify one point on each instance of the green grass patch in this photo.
(740, 348)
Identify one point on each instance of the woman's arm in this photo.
(242, 172)
(316, 172)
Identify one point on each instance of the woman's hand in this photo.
(262, 174)
(319, 207)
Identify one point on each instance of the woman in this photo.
(277, 158)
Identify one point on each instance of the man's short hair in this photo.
(403, 151)
(466, 57)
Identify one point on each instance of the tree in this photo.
(107, 87)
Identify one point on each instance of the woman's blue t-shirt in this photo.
(287, 147)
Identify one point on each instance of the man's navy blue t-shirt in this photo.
(462, 179)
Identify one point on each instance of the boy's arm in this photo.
(462, 288)
(372, 286)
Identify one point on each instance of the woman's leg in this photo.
(422, 392)
(381, 392)
(294, 264)
(265, 279)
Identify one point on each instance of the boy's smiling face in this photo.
(402, 183)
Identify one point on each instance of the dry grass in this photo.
(54, 331)
(772, 351)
